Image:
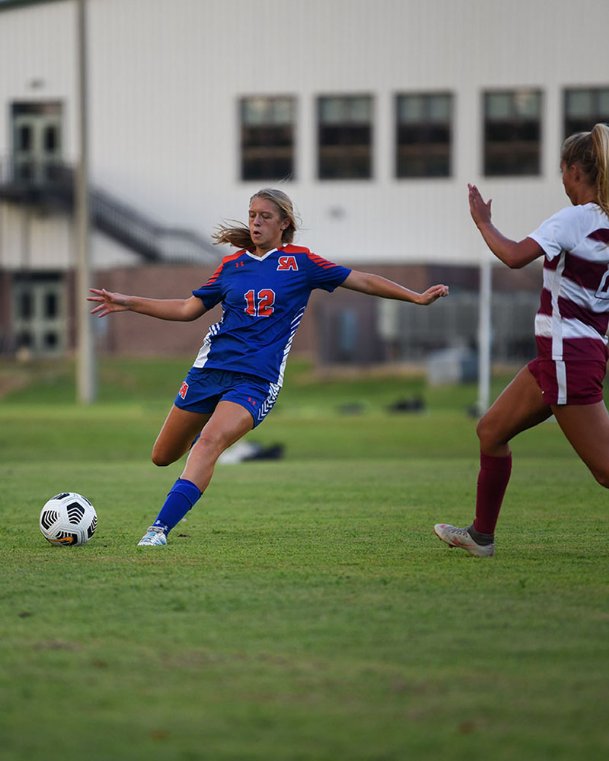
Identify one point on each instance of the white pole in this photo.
(85, 359)
(484, 333)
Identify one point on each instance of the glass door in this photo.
(39, 320)
(37, 142)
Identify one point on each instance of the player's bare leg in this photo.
(176, 435)
(519, 407)
(227, 425)
(587, 429)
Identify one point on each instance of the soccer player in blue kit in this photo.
(234, 382)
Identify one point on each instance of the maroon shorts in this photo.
(569, 382)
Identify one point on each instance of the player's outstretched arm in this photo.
(182, 310)
(375, 285)
(515, 254)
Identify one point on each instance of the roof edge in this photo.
(8, 5)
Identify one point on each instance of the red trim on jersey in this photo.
(320, 261)
(290, 248)
(315, 258)
(216, 274)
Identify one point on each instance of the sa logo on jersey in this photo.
(183, 390)
(287, 263)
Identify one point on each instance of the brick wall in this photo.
(137, 335)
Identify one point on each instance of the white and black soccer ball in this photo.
(68, 519)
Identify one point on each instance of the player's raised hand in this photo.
(478, 207)
(108, 302)
(432, 294)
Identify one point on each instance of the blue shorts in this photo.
(203, 388)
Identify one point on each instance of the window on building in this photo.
(267, 138)
(585, 107)
(344, 137)
(36, 141)
(512, 133)
(38, 313)
(423, 135)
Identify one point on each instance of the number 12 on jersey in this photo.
(260, 304)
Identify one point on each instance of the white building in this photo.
(373, 114)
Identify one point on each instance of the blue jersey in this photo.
(263, 301)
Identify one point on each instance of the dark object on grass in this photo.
(351, 408)
(246, 451)
(407, 404)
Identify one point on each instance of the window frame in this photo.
(345, 149)
(261, 149)
(584, 124)
(424, 151)
(508, 154)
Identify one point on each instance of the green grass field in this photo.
(304, 611)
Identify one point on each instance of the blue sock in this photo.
(181, 498)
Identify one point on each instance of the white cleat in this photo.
(154, 537)
(460, 537)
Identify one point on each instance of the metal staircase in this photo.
(50, 185)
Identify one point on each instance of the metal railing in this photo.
(51, 183)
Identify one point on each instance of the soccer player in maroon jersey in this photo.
(566, 378)
(263, 289)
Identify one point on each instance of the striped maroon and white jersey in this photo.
(573, 315)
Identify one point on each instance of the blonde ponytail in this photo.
(600, 143)
(237, 235)
(591, 151)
